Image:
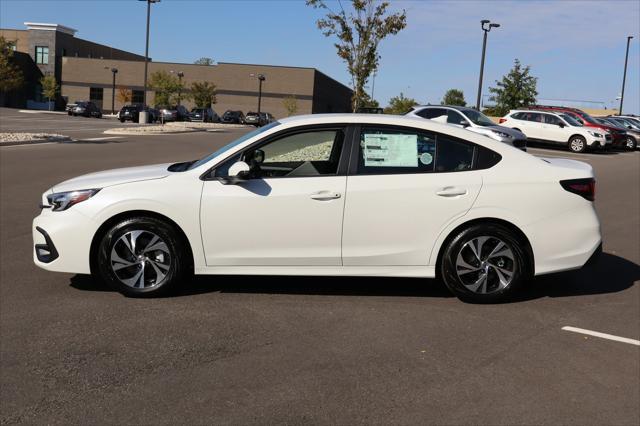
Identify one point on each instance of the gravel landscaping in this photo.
(21, 137)
(172, 127)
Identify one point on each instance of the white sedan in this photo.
(339, 195)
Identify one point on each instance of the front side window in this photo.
(42, 55)
(313, 153)
(432, 113)
(551, 119)
(478, 118)
(455, 117)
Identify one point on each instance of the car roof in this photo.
(535, 111)
(456, 107)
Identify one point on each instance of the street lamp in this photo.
(624, 76)
(180, 74)
(113, 89)
(261, 78)
(146, 50)
(486, 27)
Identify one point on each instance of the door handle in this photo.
(451, 191)
(325, 195)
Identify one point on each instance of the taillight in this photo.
(502, 120)
(586, 188)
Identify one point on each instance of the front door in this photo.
(289, 213)
(406, 187)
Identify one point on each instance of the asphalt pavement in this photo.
(312, 350)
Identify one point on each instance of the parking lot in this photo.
(257, 350)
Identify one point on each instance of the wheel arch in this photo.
(102, 229)
(577, 135)
(487, 220)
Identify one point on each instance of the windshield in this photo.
(478, 118)
(572, 121)
(233, 144)
(589, 119)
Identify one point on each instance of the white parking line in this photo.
(602, 335)
(102, 139)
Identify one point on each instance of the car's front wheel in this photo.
(142, 256)
(631, 143)
(577, 144)
(484, 263)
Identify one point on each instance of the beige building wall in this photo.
(19, 37)
(237, 88)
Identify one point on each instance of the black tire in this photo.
(122, 120)
(462, 280)
(631, 143)
(172, 263)
(577, 144)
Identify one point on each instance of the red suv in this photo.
(618, 136)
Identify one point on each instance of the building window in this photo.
(96, 94)
(42, 55)
(137, 96)
(37, 96)
(64, 52)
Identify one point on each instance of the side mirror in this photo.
(465, 124)
(258, 156)
(238, 172)
(561, 124)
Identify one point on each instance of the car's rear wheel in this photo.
(631, 143)
(577, 144)
(142, 256)
(484, 263)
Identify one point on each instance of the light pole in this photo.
(146, 50)
(180, 74)
(486, 27)
(624, 76)
(261, 78)
(113, 89)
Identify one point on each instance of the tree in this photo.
(166, 87)
(290, 103)
(399, 105)
(203, 61)
(359, 33)
(454, 97)
(49, 87)
(203, 94)
(124, 95)
(517, 89)
(11, 77)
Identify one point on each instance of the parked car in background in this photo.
(630, 118)
(337, 195)
(618, 136)
(267, 118)
(233, 117)
(206, 115)
(86, 109)
(472, 120)
(551, 127)
(173, 113)
(132, 113)
(69, 108)
(254, 119)
(633, 132)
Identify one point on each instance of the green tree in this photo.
(400, 105)
(518, 89)
(11, 77)
(454, 97)
(203, 94)
(290, 103)
(359, 33)
(50, 87)
(203, 61)
(166, 86)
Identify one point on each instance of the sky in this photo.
(575, 48)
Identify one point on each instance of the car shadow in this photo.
(611, 274)
(565, 150)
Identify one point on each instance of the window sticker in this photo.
(390, 150)
(426, 158)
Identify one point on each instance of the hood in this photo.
(113, 177)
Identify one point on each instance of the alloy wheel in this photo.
(631, 143)
(577, 145)
(140, 259)
(485, 265)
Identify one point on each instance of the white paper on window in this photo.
(390, 150)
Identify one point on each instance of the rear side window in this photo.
(551, 119)
(391, 151)
(518, 116)
(431, 113)
(486, 158)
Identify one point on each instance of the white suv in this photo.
(556, 128)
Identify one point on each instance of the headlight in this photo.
(502, 134)
(63, 200)
(596, 134)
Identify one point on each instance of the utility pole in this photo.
(624, 76)
(486, 27)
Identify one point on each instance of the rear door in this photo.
(403, 187)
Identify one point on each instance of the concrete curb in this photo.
(41, 111)
(36, 141)
(128, 132)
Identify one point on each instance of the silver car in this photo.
(472, 120)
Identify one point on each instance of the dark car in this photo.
(87, 109)
(173, 113)
(69, 108)
(234, 117)
(132, 113)
(259, 119)
(206, 115)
